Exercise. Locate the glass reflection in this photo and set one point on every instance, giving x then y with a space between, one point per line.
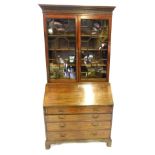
88 94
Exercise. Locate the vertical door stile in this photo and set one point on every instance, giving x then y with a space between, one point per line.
79 46
109 47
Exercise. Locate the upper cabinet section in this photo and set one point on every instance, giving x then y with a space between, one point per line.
77 42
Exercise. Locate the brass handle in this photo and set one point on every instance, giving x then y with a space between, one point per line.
95 116
95 123
94 133
62 135
61 116
61 110
62 124
96 109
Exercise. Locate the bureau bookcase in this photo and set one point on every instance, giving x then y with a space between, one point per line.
78 103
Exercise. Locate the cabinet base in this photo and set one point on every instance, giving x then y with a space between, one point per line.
49 143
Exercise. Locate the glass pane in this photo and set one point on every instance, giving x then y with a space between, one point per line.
62 48
94 49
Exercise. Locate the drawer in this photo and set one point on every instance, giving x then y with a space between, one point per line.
78 110
79 117
73 126
78 135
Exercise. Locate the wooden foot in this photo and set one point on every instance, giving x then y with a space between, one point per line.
109 143
47 145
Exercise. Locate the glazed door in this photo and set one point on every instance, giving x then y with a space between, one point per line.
61 48
94 48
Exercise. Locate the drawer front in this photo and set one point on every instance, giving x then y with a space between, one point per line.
79 117
78 135
74 126
78 110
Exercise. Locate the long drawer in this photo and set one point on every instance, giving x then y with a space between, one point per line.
79 117
73 126
78 110
78 135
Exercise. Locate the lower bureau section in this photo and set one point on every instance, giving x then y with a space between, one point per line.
78 112
78 135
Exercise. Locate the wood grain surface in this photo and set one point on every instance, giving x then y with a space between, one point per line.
78 135
74 126
79 94
79 117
